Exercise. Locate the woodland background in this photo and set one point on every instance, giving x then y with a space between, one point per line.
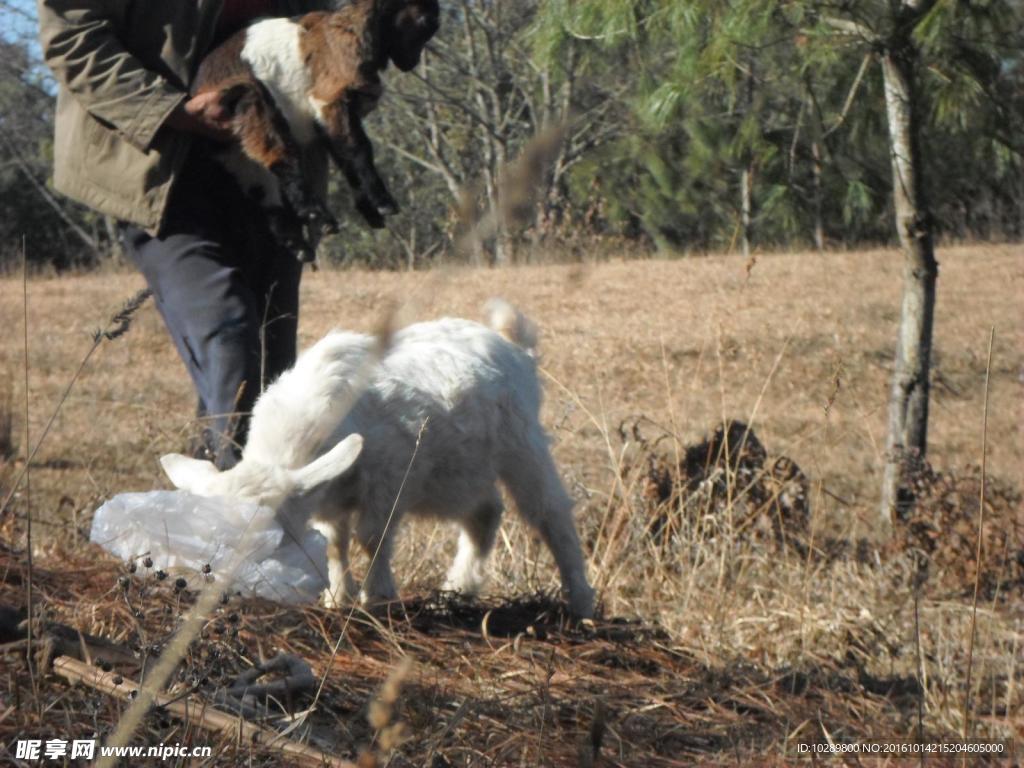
651 125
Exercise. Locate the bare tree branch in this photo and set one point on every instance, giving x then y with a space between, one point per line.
52 201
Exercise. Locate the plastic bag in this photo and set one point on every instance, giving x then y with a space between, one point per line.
181 530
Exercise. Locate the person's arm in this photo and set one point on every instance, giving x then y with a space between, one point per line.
80 45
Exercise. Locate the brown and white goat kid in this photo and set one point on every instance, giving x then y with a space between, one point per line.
289 83
451 408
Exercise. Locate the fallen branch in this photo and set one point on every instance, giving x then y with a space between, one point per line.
245 695
52 639
197 712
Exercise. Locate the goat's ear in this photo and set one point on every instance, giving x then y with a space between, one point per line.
187 473
332 464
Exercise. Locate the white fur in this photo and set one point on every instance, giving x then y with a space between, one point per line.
512 324
272 48
472 399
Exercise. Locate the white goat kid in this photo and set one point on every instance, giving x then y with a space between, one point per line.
451 408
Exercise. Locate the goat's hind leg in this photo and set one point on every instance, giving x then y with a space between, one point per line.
532 479
266 139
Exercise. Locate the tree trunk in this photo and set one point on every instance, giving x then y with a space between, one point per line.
908 404
502 247
1020 201
114 248
819 226
747 176
746 206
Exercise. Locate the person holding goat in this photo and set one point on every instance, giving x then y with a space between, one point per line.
130 143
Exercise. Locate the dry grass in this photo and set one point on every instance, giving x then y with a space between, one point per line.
758 648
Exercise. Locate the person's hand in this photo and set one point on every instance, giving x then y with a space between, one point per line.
203 115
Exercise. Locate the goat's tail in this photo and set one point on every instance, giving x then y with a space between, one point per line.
512 324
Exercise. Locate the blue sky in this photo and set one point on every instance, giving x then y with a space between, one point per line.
17 19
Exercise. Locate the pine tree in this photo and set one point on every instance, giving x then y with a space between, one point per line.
942 62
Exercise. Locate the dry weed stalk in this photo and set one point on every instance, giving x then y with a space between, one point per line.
29 602
389 732
981 529
519 184
115 328
119 324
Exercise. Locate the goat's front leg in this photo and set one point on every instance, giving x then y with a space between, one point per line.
376 539
341 584
479 529
352 151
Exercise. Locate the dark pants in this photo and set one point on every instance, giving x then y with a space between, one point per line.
228 294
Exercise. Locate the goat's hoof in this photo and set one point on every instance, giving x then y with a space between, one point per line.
388 208
303 252
581 603
384 607
381 201
370 213
321 221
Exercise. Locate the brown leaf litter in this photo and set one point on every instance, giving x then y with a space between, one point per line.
511 682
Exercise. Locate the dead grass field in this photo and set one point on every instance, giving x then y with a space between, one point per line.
798 345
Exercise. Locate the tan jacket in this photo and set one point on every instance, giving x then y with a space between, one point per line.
123 66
